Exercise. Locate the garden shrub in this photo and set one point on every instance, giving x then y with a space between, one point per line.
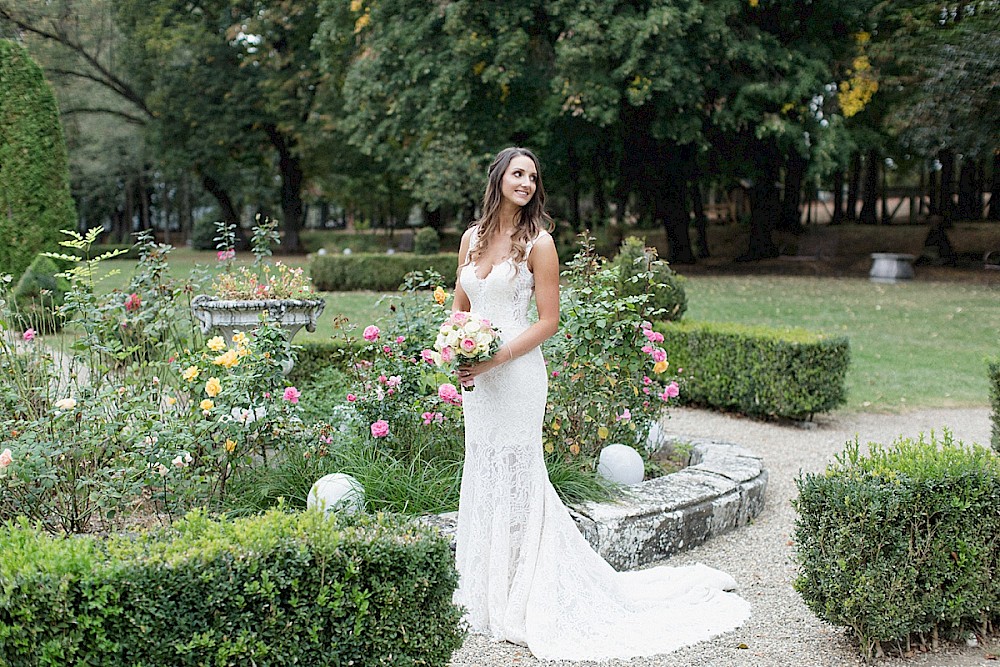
758 371
993 369
35 201
902 542
276 589
313 357
666 292
426 241
344 273
39 294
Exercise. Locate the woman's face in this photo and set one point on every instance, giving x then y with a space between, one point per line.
518 184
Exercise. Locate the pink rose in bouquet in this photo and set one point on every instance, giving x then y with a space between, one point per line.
464 338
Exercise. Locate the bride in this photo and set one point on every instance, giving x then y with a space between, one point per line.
526 574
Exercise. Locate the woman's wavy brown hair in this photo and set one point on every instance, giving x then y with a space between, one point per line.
528 222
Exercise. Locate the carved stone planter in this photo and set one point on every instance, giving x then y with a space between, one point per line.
232 315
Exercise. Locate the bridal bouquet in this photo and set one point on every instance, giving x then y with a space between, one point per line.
464 338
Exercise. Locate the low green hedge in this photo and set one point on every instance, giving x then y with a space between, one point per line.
276 589
758 371
380 273
993 368
312 357
902 544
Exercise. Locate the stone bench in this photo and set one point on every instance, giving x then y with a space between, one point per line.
722 489
891 267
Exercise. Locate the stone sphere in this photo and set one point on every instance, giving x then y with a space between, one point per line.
337 492
321 252
621 464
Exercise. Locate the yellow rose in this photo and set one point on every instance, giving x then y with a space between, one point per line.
217 344
171 400
660 366
230 445
190 373
206 405
574 449
440 296
228 359
213 387
239 338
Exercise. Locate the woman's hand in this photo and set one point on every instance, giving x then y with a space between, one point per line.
467 373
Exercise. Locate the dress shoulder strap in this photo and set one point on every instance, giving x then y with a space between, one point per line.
531 244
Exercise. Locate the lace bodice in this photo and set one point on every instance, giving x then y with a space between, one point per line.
503 295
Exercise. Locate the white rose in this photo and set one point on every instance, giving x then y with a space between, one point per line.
66 403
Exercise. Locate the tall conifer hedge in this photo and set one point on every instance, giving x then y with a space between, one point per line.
35 201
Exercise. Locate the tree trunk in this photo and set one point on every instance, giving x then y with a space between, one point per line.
853 186
765 207
700 219
226 207
573 166
967 190
994 213
869 205
791 204
838 198
947 201
433 218
669 209
600 215
290 168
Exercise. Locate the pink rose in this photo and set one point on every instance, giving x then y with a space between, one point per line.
659 354
555 374
447 354
292 395
351 398
387 350
380 429
223 255
459 317
449 394
625 416
382 379
6 458
400 339
29 335
132 302
427 355
672 390
656 337
646 380
468 344
394 381
648 349
371 333
646 325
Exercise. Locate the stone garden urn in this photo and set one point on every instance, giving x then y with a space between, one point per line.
231 315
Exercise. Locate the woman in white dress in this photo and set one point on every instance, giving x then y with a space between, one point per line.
526 574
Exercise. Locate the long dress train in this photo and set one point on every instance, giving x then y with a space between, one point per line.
526 574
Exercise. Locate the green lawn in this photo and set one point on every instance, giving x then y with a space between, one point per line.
916 344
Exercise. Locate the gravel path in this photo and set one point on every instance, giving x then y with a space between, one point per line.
781 630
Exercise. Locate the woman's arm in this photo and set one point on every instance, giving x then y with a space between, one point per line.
544 264
461 301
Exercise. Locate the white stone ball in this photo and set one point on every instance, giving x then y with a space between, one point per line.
337 492
347 251
321 252
621 464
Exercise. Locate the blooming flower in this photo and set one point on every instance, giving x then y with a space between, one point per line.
440 296
671 391
228 359
182 460
371 333
240 338
230 445
190 373
216 344
132 302
248 416
170 400
449 394
427 355
66 403
206 405
6 458
660 366
351 398
213 387
380 428
291 395
431 417
659 354
394 381
646 380
224 255
29 334
400 340
625 416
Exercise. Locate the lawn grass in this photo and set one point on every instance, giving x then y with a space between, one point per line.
913 344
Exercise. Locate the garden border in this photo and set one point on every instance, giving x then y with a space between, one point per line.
722 489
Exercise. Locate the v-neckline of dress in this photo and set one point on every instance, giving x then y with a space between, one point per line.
475 268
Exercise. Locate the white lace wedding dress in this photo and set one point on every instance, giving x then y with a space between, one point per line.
527 575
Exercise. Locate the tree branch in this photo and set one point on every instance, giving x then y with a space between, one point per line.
135 120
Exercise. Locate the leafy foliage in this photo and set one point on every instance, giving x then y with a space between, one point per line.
758 371
901 542
372 590
993 369
35 200
341 273
39 294
664 287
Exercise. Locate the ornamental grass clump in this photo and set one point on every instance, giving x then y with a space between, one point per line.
901 545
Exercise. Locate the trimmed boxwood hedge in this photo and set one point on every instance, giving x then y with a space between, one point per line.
758 371
276 589
314 356
381 273
902 544
993 368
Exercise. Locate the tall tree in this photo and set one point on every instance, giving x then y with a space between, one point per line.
35 202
